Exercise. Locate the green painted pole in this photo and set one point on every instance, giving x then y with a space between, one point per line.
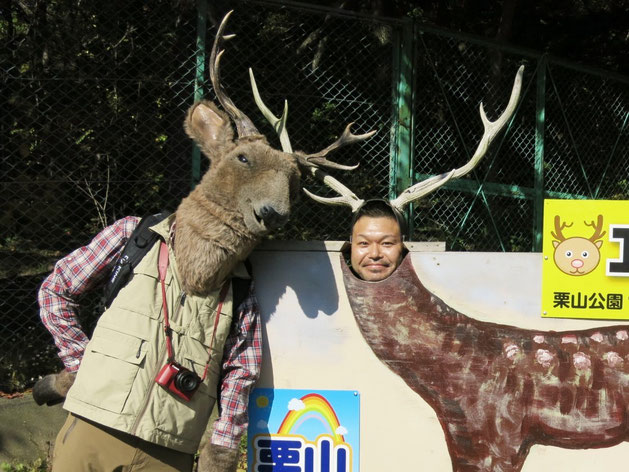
401 152
199 80
540 125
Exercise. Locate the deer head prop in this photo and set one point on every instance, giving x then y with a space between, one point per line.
245 194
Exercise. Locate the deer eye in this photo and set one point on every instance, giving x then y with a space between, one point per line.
568 253
242 158
584 254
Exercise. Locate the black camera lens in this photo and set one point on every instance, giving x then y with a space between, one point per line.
187 381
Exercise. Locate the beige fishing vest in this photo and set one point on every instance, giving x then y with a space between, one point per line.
115 385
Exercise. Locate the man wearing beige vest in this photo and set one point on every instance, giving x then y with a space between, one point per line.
148 383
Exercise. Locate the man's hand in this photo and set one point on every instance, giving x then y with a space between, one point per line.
53 388
213 458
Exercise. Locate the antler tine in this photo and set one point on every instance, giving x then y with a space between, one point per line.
559 227
244 125
279 124
347 197
598 228
346 138
492 128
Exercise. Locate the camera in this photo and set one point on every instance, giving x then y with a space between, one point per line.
178 380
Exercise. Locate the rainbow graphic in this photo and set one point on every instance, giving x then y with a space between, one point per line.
306 430
312 406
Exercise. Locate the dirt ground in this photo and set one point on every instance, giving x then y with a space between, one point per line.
27 431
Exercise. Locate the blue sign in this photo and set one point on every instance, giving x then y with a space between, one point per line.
303 430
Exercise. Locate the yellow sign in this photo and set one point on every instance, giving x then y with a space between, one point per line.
586 259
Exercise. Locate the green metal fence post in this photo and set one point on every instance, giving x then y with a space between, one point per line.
198 81
401 153
540 118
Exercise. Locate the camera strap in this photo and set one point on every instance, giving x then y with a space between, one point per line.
162 266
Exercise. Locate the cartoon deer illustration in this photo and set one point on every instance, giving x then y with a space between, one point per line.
577 255
247 191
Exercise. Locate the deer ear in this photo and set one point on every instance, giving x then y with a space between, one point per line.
209 127
555 244
598 244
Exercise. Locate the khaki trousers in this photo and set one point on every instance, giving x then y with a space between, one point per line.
84 446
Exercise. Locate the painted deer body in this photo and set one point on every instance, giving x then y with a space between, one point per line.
496 389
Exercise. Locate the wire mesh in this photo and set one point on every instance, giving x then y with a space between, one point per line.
95 95
584 119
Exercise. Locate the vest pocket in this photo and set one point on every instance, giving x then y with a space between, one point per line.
187 420
108 369
196 355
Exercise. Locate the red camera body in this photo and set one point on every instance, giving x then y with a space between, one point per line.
178 380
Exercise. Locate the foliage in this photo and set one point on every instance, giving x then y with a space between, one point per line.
242 461
39 465
592 32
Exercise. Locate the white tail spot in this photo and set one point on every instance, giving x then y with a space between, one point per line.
598 337
613 359
581 360
569 339
544 357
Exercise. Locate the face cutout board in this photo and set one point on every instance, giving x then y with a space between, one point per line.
312 342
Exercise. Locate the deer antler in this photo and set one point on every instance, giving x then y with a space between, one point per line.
279 124
491 130
244 125
597 228
346 138
313 161
558 234
346 198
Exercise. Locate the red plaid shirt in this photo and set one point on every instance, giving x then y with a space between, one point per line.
88 267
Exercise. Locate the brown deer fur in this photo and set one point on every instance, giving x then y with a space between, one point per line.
221 221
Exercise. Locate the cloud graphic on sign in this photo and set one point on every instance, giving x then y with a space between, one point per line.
342 430
262 424
295 405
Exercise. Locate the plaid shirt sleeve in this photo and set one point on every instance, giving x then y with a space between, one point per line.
75 274
241 368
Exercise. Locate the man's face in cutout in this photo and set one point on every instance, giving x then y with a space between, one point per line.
376 247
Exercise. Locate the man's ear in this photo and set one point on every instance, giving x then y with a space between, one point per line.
210 128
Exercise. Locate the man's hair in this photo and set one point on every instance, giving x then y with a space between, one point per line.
378 208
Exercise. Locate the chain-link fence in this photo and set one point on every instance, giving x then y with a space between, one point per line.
94 95
566 140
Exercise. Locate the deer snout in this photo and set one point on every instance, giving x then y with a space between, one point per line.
577 263
272 219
